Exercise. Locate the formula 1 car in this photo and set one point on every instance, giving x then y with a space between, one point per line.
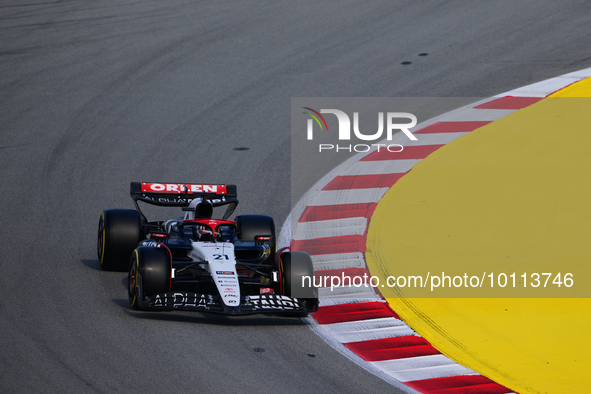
200 263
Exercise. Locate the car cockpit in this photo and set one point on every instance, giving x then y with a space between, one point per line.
197 224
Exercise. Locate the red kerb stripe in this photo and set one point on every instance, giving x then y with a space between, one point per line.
465 384
451 127
363 181
392 348
492 388
330 245
409 152
342 211
509 102
353 312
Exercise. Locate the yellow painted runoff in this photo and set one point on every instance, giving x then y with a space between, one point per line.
512 196
578 89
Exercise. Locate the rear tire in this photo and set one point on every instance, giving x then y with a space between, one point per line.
151 266
249 226
293 267
119 233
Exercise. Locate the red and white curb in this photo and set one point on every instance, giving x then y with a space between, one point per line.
332 222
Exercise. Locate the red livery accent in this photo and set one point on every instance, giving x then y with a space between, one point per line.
266 290
209 222
213 224
263 238
176 188
158 235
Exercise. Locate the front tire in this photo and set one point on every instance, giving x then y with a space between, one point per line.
149 270
119 233
297 278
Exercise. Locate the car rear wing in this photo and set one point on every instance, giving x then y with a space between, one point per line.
181 195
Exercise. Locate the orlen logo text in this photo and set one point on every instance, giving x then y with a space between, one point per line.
345 130
181 188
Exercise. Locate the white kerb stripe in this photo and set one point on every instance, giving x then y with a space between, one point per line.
366 330
337 197
339 260
579 74
345 300
381 167
357 336
330 228
543 88
426 139
472 114
432 372
347 292
412 363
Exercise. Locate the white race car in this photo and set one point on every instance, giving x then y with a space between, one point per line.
201 263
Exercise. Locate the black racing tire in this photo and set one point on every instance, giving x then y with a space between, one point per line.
132 282
293 267
151 266
119 233
249 226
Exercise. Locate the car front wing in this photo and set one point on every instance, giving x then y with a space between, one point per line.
250 304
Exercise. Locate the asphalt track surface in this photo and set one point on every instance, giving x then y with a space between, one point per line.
95 94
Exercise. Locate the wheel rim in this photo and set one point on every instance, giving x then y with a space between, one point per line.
132 283
132 280
100 241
